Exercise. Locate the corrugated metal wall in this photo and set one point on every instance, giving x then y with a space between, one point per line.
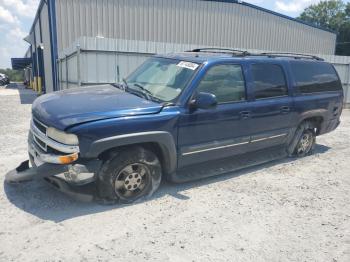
96 61
213 23
40 36
44 16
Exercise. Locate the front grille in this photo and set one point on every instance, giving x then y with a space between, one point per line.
42 129
48 145
53 151
40 143
40 126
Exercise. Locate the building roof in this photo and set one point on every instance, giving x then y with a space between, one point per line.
223 1
20 63
273 13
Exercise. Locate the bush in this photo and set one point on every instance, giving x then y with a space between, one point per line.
14 75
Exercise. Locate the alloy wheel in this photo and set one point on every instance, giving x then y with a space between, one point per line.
131 180
305 143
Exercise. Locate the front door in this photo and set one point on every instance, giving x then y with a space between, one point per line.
207 134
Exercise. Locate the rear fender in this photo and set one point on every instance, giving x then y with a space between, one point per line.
313 113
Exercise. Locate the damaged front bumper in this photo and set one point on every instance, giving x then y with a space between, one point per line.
74 174
50 158
25 173
57 163
73 180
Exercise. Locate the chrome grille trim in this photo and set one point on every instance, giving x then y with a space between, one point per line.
39 125
38 142
37 134
37 153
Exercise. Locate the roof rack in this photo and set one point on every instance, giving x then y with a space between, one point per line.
237 52
221 50
293 55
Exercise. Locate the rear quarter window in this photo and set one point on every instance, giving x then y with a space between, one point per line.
312 77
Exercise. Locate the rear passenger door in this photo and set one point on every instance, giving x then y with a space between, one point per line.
271 105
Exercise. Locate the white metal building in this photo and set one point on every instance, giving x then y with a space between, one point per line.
82 42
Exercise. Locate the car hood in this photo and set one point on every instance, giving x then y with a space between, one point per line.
75 106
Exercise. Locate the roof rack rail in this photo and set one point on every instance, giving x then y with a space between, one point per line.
221 50
295 55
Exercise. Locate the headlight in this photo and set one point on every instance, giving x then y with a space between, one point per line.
62 137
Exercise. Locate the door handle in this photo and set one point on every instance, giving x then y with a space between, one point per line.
285 109
245 114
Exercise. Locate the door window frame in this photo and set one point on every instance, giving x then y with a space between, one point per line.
219 64
285 75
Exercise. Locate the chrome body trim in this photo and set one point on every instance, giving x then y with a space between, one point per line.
233 145
42 157
34 118
37 134
269 137
213 148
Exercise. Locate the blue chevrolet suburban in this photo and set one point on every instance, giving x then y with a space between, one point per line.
181 117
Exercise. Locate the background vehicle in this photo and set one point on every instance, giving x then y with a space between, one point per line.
181 117
4 79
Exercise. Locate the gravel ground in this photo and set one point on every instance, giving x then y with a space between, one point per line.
289 210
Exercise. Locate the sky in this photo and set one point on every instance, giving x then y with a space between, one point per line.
16 18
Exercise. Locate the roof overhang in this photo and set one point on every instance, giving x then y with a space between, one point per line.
29 39
20 63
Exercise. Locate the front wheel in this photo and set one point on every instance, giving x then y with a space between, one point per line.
128 175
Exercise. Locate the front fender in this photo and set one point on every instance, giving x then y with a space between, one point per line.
164 139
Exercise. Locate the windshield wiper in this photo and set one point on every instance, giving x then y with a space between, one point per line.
123 86
142 94
117 85
126 86
149 95
144 90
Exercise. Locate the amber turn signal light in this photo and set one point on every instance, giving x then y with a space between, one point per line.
68 158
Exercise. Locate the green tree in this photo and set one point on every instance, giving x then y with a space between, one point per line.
333 15
14 75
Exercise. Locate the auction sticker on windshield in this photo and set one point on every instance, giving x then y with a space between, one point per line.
188 65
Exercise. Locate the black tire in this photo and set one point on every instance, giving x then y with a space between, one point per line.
128 175
304 140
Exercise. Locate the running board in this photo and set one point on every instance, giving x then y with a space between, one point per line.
227 165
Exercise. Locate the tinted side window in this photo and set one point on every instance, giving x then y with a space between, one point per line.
226 82
269 81
313 77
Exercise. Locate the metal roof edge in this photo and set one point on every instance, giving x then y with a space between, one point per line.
273 13
38 11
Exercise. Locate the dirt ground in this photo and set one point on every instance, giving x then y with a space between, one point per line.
288 210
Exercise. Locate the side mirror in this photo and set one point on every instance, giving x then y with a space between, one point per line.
204 101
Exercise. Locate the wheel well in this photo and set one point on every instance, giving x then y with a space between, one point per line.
316 122
151 146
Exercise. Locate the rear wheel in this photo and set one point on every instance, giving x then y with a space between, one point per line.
305 140
129 175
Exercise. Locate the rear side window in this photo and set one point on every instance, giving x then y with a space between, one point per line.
269 81
311 77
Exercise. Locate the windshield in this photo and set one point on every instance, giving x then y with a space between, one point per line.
162 78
